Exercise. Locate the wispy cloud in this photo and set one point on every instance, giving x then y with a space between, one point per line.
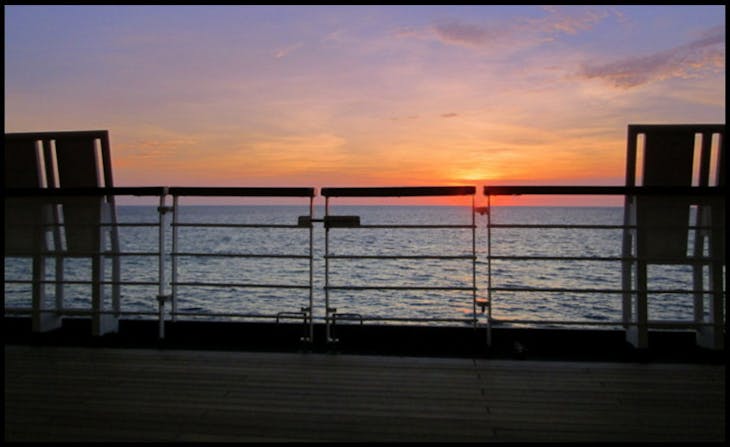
283 52
461 33
570 21
520 30
706 53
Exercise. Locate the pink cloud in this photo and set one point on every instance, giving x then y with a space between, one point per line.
535 30
704 54
455 32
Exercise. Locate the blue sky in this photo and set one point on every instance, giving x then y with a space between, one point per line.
363 95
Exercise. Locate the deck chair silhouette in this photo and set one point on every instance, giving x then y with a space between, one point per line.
29 223
87 222
659 230
83 160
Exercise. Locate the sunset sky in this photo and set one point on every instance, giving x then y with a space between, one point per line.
328 96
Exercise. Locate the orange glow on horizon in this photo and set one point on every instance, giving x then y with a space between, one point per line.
326 160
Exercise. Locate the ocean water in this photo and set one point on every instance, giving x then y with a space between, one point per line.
416 289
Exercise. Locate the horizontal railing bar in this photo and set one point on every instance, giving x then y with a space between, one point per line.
471 257
262 286
229 314
398 288
557 258
86 225
559 226
566 290
561 322
124 224
676 324
606 190
656 324
18 310
687 261
80 282
219 225
405 191
82 254
238 255
414 319
608 227
67 311
405 226
401 226
494 289
242 191
368 192
99 133
103 312
80 192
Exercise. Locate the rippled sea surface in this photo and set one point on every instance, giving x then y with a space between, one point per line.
432 282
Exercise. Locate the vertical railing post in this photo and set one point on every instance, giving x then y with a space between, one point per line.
474 260
311 270
641 338
628 275
39 292
327 273
161 296
100 323
58 258
489 270
173 259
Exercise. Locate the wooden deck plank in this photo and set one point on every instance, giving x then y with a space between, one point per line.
107 394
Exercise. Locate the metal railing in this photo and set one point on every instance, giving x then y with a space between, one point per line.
628 289
629 320
335 222
303 222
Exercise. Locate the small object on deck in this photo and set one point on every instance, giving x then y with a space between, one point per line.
341 221
483 303
519 350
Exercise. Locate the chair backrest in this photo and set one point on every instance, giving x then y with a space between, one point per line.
672 155
83 160
75 159
24 216
23 166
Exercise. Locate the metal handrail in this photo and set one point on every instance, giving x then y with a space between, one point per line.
51 195
701 194
176 253
698 191
403 191
352 222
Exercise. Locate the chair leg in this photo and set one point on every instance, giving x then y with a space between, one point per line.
712 337
638 333
627 297
101 323
716 279
116 287
42 320
116 272
59 283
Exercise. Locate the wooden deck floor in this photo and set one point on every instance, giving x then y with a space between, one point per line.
113 394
